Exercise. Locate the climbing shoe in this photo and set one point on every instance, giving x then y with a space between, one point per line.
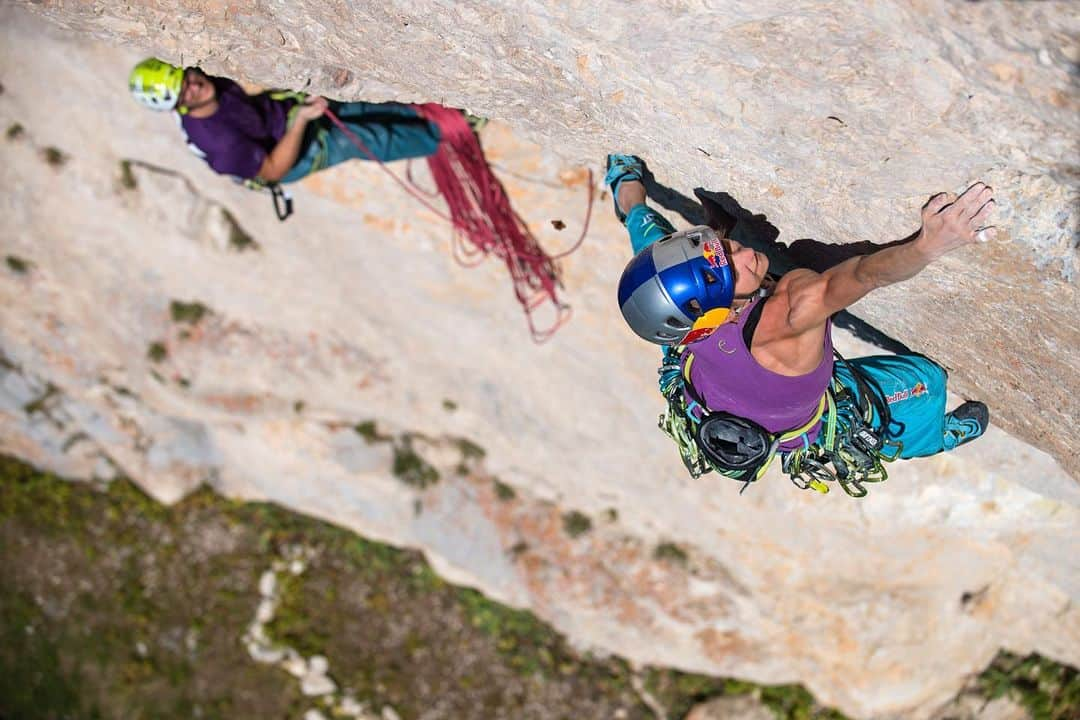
619 168
965 423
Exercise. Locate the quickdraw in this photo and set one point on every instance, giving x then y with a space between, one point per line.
282 198
850 450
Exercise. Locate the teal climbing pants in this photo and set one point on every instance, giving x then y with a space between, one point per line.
391 131
646 226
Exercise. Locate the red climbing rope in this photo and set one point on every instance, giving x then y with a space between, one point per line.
480 212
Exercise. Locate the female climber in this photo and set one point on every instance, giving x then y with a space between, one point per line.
749 358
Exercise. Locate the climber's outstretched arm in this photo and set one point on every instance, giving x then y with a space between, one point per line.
948 222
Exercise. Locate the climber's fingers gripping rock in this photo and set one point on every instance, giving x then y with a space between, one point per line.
950 222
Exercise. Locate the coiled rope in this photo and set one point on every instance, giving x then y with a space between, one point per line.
480 212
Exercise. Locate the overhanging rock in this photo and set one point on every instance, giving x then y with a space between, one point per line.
835 120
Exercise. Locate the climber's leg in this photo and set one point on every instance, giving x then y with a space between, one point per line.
645 225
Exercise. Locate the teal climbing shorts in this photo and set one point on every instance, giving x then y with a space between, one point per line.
913 388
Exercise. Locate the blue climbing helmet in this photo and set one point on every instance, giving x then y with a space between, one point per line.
679 289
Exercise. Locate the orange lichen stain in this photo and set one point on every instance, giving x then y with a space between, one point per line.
983 606
775 191
844 642
384 224
990 507
721 645
617 97
574 177
335 186
1057 98
583 69
1006 73
235 403
515 192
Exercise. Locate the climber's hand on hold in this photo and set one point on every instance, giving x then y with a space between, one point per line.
284 154
950 222
312 108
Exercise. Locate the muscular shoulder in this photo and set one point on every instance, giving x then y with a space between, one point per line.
792 290
801 296
779 343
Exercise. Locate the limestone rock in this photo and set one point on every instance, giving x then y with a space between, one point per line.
835 119
739 707
317 684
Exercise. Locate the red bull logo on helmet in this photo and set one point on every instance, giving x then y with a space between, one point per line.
713 252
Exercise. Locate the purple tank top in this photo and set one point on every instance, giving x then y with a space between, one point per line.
237 138
728 378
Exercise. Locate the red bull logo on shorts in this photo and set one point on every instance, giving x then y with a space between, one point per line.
900 395
713 252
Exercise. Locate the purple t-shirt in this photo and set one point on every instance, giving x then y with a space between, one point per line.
728 378
236 139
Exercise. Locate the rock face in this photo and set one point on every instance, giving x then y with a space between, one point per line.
156 320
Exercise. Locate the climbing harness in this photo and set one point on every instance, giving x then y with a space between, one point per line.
850 449
479 210
854 440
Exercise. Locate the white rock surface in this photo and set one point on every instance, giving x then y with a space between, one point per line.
354 310
314 684
740 707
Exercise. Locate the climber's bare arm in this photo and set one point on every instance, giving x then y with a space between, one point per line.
948 222
283 156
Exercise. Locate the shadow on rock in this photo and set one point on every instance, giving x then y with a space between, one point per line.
723 213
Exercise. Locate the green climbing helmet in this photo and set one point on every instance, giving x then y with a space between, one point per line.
156 84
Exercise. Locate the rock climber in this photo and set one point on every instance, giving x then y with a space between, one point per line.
271 138
747 345
276 137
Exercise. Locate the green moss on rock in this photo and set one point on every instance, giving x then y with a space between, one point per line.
576 524
189 313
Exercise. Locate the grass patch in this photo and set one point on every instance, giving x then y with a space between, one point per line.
576 524
529 645
127 176
469 449
157 352
41 402
410 468
139 577
370 432
54 156
189 313
408 465
291 624
15 131
1047 690
17 265
239 239
503 492
671 553
449 405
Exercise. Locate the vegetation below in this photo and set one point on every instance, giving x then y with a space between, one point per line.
114 606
